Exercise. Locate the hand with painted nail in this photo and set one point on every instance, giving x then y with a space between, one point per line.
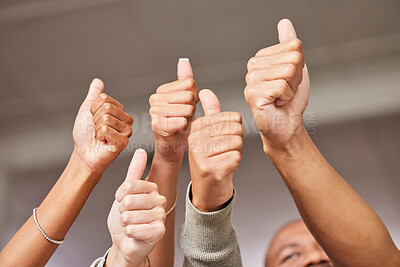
102 129
172 110
215 144
136 220
278 87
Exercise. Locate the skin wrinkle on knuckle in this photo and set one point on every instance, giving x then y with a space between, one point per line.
234 142
106 118
296 44
234 117
239 141
164 202
117 194
153 99
92 108
107 107
191 109
129 119
298 58
129 186
251 63
249 92
126 203
104 96
129 231
163 216
129 131
183 122
154 187
288 72
103 129
276 92
190 83
239 129
160 201
154 111
261 51
237 157
187 97
250 77
280 84
204 169
160 88
125 218
121 222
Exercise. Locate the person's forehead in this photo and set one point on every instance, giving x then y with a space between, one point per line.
295 234
292 235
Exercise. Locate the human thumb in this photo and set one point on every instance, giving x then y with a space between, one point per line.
286 31
95 89
137 166
209 102
184 69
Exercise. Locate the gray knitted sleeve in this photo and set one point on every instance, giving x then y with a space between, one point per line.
208 238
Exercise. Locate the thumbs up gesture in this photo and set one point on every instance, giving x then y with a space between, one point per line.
172 110
278 88
136 219
102 129
215 144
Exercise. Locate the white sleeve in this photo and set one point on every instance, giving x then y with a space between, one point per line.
100 261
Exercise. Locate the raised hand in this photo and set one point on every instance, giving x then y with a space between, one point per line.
215 144
172 110
136 219
278 87
102 129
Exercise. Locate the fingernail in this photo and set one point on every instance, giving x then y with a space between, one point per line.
140 150
184 59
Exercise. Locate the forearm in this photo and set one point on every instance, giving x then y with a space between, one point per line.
165 173
347 228
55 215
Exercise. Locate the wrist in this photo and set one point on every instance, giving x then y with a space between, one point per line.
77 165
165 173
115 258
296 142
295 154
169 151
168 156
164 170
211 196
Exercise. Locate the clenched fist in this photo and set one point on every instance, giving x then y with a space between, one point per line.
102 129
215 144
136 219
278 88
172 110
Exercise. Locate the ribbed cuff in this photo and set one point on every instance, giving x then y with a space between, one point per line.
208 236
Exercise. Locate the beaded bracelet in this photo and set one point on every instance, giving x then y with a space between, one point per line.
58 242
